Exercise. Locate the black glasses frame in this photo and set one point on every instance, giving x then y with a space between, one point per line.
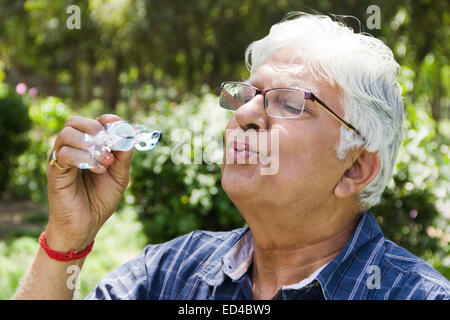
308 96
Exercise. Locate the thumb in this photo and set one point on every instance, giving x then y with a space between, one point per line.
120 168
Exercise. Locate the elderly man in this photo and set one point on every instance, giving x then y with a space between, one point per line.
331 99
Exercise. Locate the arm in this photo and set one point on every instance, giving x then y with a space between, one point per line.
48 278
80 202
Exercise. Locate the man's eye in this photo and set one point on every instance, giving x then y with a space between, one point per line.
292 110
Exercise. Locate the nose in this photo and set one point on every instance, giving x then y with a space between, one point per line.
252 115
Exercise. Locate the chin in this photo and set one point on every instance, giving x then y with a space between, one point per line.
241 180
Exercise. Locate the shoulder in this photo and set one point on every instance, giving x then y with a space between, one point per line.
411 277
195 244
173 265
162 269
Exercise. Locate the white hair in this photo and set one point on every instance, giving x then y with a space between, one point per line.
366 72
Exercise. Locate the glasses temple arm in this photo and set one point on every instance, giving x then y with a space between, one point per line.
312 97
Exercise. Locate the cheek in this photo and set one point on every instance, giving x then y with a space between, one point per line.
307 155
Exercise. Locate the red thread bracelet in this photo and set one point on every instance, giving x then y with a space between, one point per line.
63 256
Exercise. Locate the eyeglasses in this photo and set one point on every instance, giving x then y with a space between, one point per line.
287 103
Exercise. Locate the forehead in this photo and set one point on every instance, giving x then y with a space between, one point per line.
289 68
286 67
268 76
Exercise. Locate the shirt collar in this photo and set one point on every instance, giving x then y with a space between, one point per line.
234 256
214 269
237 261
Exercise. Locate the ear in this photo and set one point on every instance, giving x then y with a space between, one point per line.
360 173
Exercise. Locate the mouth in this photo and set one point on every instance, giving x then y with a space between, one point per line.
241 147
249 147
242 153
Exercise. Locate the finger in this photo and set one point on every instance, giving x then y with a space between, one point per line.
76 139
68 157
107 118
71 137
86 125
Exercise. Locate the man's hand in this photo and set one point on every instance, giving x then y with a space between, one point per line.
80 202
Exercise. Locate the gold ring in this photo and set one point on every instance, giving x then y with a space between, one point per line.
52 161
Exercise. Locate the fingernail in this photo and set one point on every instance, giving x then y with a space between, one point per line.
85 165
107 155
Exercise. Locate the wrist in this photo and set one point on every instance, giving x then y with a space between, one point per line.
64 242
64 256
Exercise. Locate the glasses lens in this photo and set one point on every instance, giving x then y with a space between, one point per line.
233 95
285 103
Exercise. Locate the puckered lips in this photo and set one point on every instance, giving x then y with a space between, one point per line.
239 152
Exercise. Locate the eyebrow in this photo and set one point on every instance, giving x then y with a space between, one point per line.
255 80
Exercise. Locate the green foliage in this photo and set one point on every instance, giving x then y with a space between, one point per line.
15 257
14 123
47 119
182 44
172 198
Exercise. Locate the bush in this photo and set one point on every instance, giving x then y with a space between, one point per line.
14 123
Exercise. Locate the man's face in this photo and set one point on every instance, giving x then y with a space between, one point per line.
308 167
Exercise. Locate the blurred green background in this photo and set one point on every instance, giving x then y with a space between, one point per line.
159 63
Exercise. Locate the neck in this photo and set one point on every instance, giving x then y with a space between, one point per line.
292 257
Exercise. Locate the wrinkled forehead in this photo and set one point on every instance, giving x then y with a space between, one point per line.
286 67
289 67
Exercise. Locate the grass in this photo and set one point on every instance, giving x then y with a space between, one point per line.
120 240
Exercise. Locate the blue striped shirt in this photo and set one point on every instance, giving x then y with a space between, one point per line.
217 265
